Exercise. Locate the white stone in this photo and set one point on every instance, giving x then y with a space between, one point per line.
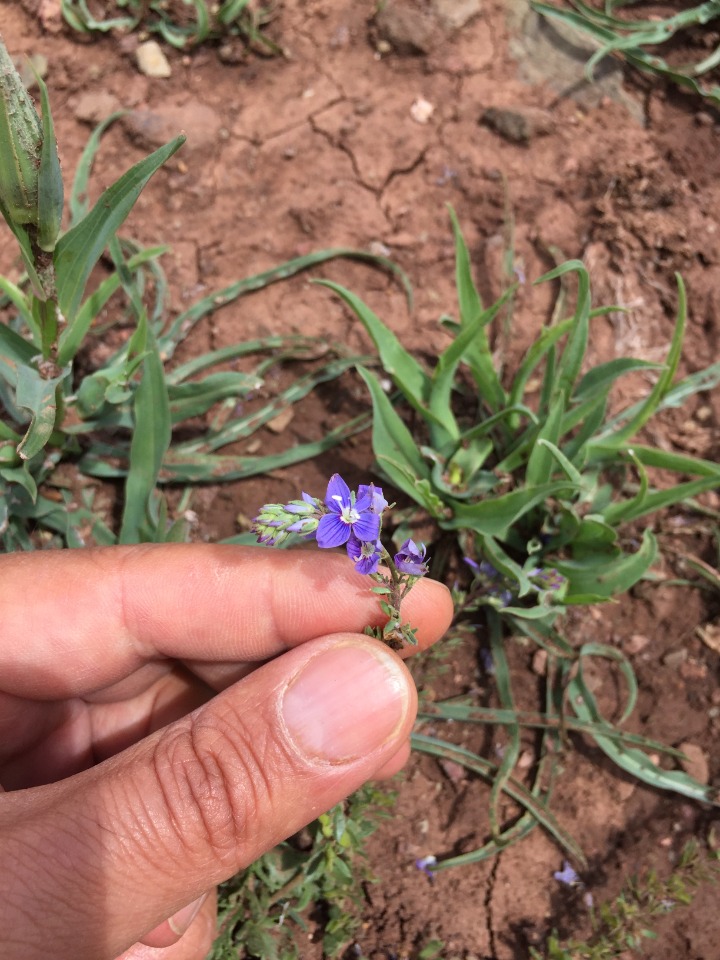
152 61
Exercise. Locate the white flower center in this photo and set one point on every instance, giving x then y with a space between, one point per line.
349 515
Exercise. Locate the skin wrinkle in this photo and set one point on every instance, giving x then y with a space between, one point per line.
195 787
55 844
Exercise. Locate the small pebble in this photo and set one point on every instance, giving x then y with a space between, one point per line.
151 60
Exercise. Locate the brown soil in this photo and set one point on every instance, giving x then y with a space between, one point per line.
321 149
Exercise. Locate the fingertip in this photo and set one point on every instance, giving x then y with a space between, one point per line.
395 764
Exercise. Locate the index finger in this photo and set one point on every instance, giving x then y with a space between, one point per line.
79 620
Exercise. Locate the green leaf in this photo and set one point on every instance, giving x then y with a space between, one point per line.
391 438
477 355
520 794
601 577
630 759
37 395
574 352
80 248
656 500
617 656
79 203
73 335
193 399
546 340
15 353
571 472
604 375
150 441
22 304
199 466
405 371
50 182
493 517
664 381
22 477
541 462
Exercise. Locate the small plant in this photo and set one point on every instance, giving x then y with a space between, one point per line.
353 520
637 41
625 924
542 487
191 22
265 907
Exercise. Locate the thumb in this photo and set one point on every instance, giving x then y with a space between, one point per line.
91 864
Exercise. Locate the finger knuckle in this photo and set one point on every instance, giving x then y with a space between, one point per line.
216 782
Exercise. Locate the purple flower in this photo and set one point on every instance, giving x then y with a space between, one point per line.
365 556
567 875
483 568
411 559
425 865
376 495
347 515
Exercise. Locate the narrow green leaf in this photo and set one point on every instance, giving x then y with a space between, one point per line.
630 759
655 500
79 202
193 399
391 438
574 352
600 378
191 466
547 339
541 461
616 656
570 471
493 517
516 791
22 305
150 441
73 335
405 371
79 249
184 322
512 748
664 381
478 356
50 181
652 457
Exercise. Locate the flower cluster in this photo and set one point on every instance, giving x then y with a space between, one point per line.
498 591
353 520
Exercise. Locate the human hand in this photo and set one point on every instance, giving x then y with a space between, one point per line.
167 714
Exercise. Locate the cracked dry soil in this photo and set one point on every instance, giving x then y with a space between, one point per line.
336 146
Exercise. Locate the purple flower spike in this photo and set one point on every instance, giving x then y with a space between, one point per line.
411 559
365 556
347 516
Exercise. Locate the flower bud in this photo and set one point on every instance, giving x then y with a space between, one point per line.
21 140
31 187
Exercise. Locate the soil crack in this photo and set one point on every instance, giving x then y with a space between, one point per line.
489 912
